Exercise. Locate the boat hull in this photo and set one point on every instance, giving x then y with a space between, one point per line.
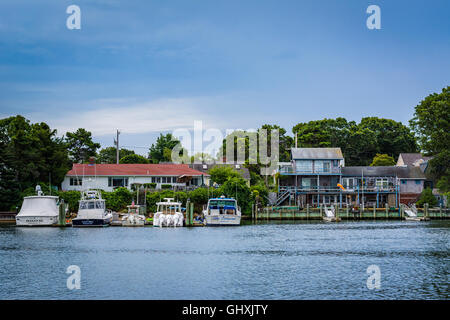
36 221
91 222
222 220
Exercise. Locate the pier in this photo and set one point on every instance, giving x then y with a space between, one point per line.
346 213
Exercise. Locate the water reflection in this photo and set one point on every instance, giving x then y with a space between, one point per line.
296 260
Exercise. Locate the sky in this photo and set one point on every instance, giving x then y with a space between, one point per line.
146 67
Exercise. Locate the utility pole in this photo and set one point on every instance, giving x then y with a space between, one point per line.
116 143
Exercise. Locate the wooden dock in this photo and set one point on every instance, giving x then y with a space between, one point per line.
310 213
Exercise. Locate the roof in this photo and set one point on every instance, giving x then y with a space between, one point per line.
133 170
385 171
412 159
317 153
203 167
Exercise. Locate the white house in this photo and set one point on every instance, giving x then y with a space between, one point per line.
110 176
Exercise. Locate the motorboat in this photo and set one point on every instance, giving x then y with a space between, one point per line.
92 211
222 212
39 210
133 218
168 214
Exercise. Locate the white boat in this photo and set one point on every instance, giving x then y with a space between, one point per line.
168 214
92 211
133 218
222 212
39 210
330 215
411 214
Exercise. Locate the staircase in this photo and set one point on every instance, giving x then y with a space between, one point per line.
283 195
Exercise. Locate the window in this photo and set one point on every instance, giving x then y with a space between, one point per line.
174 179
417 181
382 183
117 182
306 183
158 179
403 181
76 181
164 179
349 183
321 166
304 165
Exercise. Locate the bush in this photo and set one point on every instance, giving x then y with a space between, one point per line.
237 188
134 158
119 199
151 185
72 198
427 197
221 174
166 186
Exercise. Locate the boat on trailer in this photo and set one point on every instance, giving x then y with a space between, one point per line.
92 211
38 210
168 214
222 212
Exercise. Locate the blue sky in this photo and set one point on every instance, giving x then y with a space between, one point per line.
151 66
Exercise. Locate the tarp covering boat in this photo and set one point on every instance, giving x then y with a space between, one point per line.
39 206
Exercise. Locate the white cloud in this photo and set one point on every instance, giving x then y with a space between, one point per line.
130 116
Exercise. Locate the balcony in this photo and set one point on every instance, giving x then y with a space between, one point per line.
289 170
389 189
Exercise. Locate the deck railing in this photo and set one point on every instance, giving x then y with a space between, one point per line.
335 189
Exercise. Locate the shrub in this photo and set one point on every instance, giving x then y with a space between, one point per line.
71 197
166 186
119 199
427 197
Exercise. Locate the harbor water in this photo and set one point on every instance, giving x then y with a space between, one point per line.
268 260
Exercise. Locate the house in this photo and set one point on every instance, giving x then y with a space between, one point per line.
110 176
412 186
317 176
239 168
312 176
412 159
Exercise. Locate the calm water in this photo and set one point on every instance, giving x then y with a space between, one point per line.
265 261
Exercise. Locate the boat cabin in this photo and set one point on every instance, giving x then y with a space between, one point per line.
222 205
168 206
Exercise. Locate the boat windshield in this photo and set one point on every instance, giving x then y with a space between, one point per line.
168 209
92 205
219 204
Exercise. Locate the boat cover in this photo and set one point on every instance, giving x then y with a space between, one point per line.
41 206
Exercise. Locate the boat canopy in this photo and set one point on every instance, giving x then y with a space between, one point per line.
41 206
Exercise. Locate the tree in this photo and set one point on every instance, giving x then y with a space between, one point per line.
29 153
80 145
108 155
359 142
431 123
382 160
391 137
427 197
134 158
237 188
161 150
220 174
